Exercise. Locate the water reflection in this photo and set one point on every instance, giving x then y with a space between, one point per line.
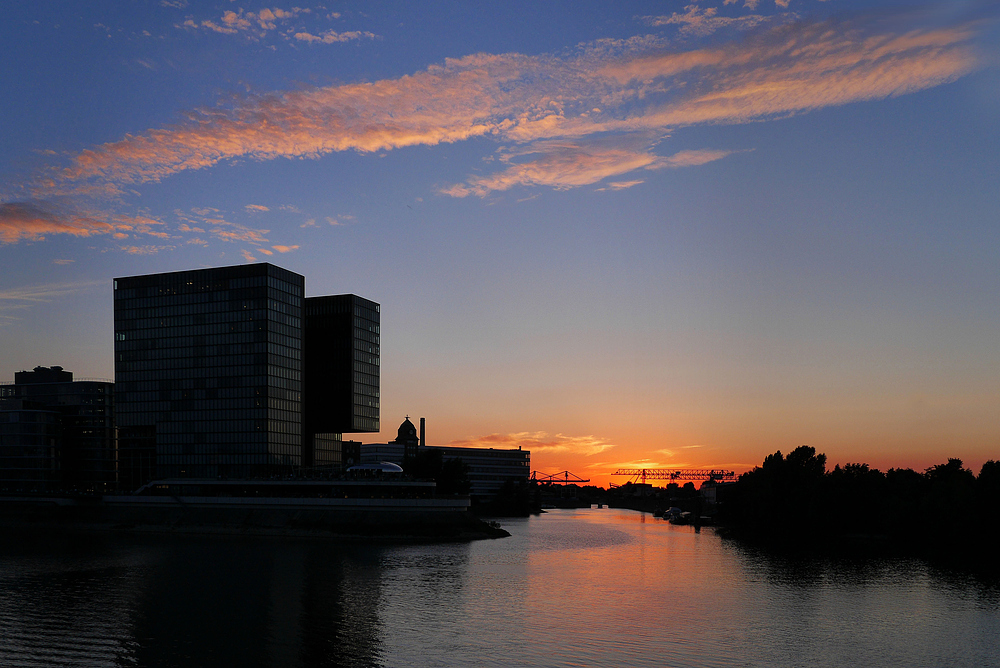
586 587
189 602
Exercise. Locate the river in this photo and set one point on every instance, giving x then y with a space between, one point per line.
592 587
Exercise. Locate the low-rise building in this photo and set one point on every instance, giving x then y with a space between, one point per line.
488 468
57 433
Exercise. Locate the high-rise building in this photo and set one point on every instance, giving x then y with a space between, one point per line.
341 370
208 368
214 369
57 433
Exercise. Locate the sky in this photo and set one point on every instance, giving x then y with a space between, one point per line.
630 234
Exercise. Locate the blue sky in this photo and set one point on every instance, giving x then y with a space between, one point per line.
661 233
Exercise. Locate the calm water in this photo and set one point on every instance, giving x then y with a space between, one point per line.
570 588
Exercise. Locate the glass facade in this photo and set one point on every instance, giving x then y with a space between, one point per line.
208 371
341 348
57 433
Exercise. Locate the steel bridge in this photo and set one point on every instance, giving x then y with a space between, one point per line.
561 478
643 475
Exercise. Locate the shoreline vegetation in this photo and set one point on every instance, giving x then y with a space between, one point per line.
945 513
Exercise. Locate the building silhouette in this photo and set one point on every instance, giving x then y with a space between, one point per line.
57 434
341 379
488 468
211 371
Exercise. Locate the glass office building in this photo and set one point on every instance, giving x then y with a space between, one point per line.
208 371
341 352
57 433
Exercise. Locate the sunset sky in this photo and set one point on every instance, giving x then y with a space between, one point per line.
661 234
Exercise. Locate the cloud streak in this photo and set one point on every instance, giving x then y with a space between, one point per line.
520 99
25 297
333 37
539 441
33 220
567 121
567 164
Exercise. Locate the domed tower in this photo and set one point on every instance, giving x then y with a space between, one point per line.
407 433
406 436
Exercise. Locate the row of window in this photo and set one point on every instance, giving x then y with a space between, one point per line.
285 286
365 411
188 365
203 465
215 314
366 326
284 383
169 420
221 361
365 390
366 368
277 303
292 341
212 377
190 304
365 335
369 311
168 332
136 401
152 340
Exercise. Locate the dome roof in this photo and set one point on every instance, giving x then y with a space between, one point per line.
407 433
384 467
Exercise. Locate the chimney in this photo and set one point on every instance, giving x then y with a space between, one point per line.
423 441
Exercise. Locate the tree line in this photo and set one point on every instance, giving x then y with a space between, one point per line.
794 498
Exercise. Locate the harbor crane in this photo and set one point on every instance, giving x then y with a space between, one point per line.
676 474
561 478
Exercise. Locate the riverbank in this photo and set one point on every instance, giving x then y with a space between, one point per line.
425 519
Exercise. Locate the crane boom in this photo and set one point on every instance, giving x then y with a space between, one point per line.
677 474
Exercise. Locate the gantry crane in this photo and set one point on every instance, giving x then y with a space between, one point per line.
676 474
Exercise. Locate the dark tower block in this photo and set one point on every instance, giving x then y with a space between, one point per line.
208 370
341 369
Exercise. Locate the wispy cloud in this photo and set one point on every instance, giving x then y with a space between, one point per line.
21 298
256 208
601 112
252 25
539 441
521 99
569 164
333 37
622 185
701 22
33 220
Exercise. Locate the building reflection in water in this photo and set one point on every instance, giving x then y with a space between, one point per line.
175 602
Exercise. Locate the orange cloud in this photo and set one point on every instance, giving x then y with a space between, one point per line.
252 25
33 220
701 22
607 87
539 441
283 249
332 37
563 164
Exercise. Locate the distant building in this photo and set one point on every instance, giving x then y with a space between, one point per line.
57 433
211 375
489 468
